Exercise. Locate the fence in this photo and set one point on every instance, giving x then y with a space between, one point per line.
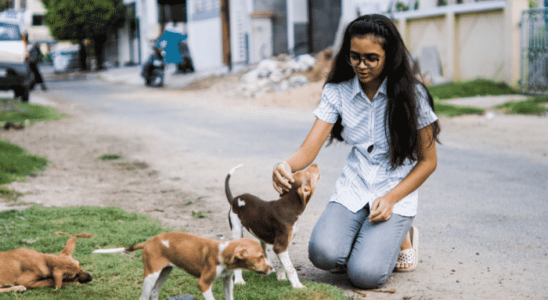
534 51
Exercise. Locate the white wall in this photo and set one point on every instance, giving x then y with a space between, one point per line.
205 37
205 43
300 11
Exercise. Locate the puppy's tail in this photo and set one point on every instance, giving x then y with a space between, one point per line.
227 187
117 250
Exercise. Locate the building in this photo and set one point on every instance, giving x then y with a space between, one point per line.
231 33
34 20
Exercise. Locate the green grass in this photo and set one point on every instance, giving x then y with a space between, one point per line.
534 106
110 157
119 276
17 112
16 163
478 87
9 195
451 110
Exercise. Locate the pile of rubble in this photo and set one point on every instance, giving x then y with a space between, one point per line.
283 73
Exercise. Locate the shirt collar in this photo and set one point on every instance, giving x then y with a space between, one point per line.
356 88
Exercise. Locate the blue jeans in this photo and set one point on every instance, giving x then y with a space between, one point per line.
370 250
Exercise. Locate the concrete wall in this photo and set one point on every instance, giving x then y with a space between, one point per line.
474 40
205 38
279 22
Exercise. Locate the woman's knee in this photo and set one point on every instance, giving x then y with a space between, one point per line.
368 276
322 254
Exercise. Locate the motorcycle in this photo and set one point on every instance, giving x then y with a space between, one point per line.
154 69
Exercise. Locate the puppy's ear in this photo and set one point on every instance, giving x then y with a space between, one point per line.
304 193
69 247
240 253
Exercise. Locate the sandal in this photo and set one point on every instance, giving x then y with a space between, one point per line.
410 256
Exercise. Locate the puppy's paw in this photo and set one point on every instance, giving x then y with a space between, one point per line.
239 281
280 275
21 289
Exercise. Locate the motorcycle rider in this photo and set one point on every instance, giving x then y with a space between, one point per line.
154 67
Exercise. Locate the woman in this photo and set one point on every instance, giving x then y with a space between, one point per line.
373 102
34 56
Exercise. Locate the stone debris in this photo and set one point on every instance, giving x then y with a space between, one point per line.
272 75
283 73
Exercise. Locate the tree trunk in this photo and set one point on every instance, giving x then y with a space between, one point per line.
83 56
99 45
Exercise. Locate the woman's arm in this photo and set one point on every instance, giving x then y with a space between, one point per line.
303 157
428 161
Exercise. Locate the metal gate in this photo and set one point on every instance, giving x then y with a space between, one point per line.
534 51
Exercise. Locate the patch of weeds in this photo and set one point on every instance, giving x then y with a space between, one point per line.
533 106
110 157
200 214
189 202
18 112
16 163
473 88
132 166
9 195
451 110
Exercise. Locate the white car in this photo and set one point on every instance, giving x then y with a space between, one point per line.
15 73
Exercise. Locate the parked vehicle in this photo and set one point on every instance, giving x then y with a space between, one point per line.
154 68
15 73
66 58
185 66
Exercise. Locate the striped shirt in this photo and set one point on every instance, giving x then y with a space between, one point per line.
366 175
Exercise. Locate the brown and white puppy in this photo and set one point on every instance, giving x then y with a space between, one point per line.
201 257
23 269
273 222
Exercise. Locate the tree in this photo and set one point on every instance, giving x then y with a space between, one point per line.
3 5
81 20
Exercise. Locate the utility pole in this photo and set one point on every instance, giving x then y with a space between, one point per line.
225 23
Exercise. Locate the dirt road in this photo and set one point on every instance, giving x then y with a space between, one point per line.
172 185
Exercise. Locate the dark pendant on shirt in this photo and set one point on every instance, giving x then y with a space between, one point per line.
370 149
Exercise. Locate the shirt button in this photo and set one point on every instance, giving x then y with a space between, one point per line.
370 149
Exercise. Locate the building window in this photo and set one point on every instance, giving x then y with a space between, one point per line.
22 4
11 4
38 20
206 6
172 13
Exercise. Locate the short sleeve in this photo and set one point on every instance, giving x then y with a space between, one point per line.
426 115
327 110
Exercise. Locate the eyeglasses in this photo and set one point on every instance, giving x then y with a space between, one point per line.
369 61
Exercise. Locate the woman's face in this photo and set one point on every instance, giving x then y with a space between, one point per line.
367 58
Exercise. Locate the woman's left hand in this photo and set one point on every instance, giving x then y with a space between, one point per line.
381 210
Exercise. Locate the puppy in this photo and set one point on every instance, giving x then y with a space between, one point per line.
201 257
23 269
273 222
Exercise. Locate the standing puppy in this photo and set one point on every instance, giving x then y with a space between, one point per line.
22 269
201 257
273 222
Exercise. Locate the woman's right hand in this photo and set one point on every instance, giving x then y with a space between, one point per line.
281 177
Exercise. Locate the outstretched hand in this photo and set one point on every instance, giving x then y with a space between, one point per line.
281 177
380 211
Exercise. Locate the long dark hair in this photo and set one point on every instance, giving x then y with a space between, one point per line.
401 115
